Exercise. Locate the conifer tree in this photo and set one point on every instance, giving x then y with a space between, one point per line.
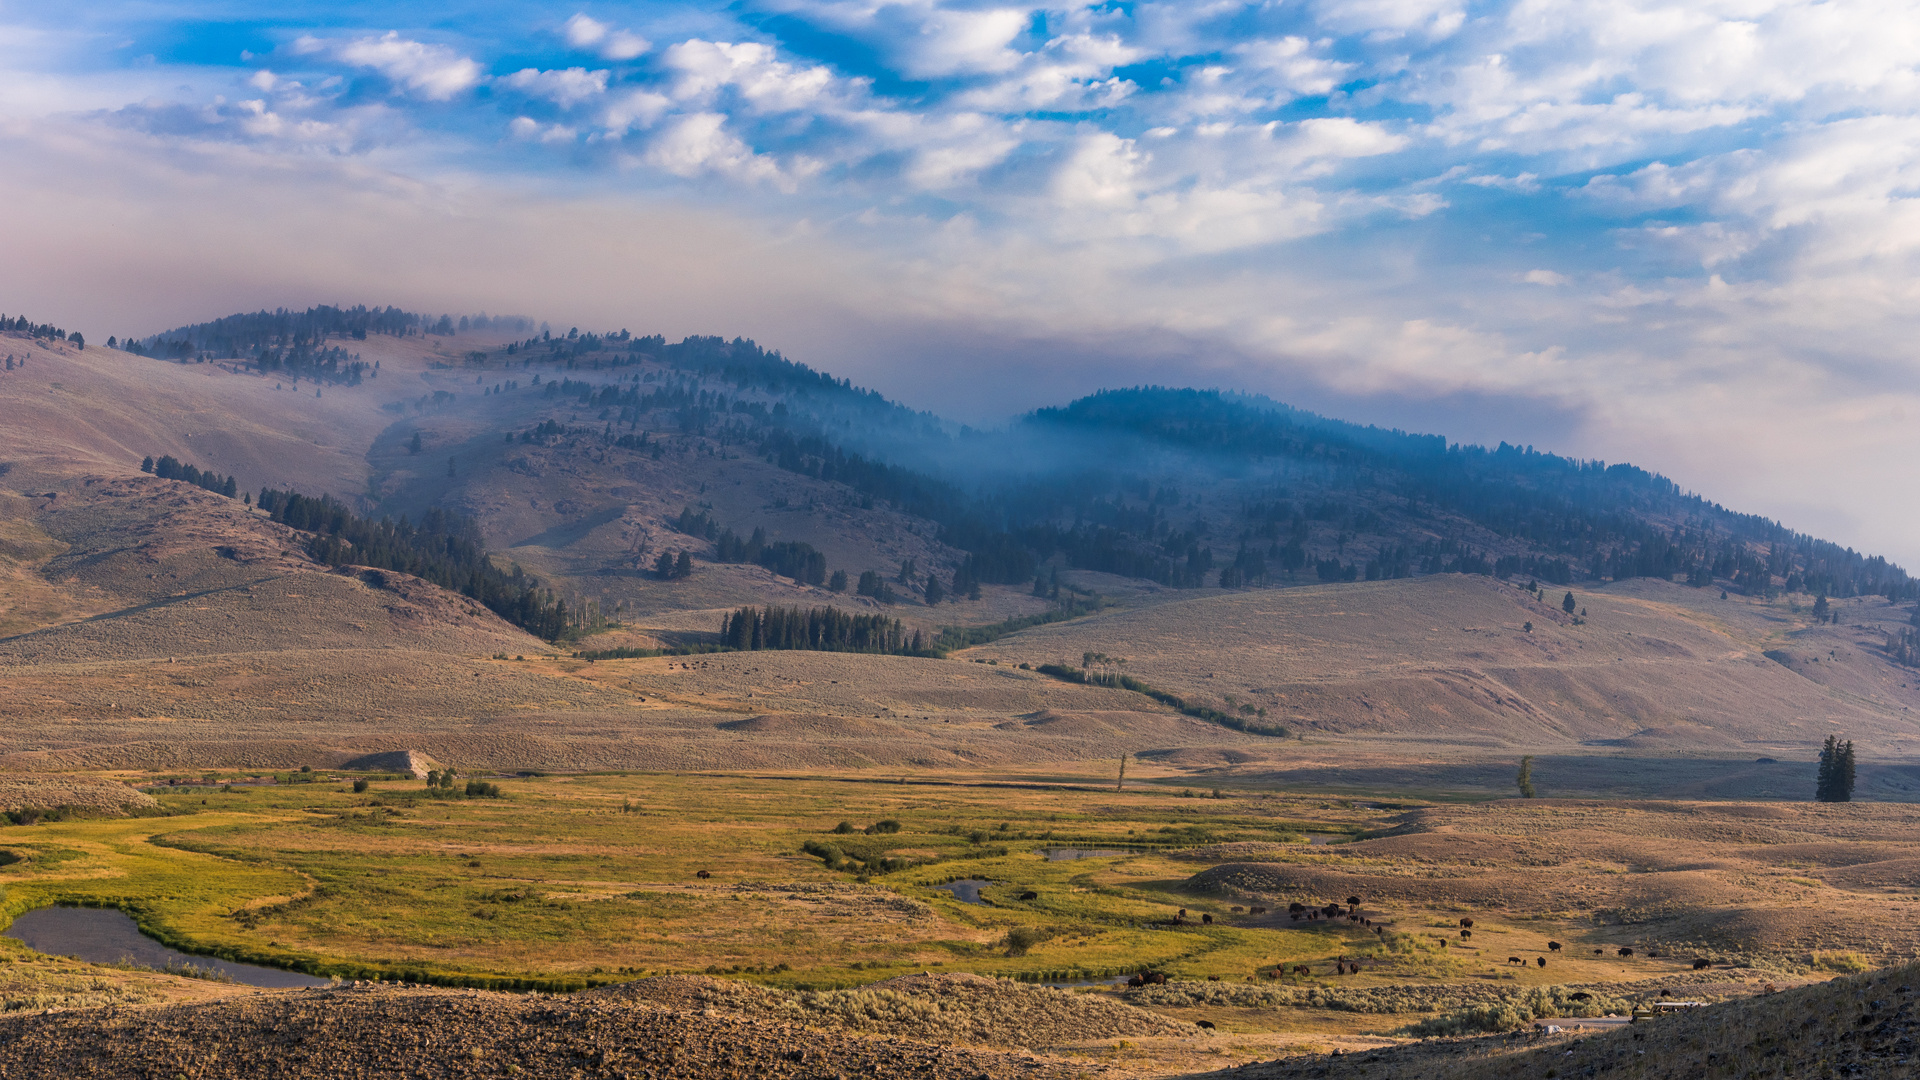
1834 783
1568 605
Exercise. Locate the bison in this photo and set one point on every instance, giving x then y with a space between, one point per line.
1296 906
1029 895
1466 934
1206 918
1256 911
1579 995
1703 962
1541 960
1515 960
1302 969
1625 952
1207 1024
1468 923
1553 946
1295 916
1236 909
704 875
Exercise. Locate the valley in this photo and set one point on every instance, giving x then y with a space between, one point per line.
1240 682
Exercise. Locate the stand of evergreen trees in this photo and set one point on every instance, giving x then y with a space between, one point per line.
170 468
822 629
20 324
1835 780
444 548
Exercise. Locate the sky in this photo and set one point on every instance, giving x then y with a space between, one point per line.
1679 234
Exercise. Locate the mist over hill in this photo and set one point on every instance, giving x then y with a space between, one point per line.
1185 488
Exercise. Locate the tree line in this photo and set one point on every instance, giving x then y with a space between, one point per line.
821 629
20 324
169 467
444 548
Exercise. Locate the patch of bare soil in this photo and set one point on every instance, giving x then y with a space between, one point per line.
408 1034
17 791
949 1007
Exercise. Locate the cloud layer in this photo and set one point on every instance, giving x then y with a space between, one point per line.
1684 234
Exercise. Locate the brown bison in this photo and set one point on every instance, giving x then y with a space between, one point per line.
1206 918
1029 895
1208 1024
1623 952
1515 960
1703 962
704 875
1466 934
1553 946
1236 909
1541 960
1468 923
1302 969
1256 911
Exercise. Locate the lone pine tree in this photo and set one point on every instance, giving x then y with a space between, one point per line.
1835 780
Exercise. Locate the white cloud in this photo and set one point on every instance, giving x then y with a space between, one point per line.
1544 277
763 82
566 89
583 32
434 72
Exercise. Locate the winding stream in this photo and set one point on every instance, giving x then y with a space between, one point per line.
109 936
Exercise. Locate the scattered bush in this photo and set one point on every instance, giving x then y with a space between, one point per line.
1849 963
360 786
1021 939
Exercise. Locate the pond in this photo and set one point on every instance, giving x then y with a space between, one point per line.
966 890
1062 854
109 936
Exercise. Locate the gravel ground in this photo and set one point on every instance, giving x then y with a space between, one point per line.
406 1034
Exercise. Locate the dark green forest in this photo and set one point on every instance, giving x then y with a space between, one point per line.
444 549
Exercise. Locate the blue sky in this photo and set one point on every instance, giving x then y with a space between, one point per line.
1679 234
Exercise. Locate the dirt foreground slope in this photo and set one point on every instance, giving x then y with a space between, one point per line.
384 1032
1865 1026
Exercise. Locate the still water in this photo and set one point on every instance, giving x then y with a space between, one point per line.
108 936
966 890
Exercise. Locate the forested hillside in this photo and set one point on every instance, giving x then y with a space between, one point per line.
1185 488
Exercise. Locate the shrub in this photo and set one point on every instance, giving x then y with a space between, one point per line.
844 828
478 789
887 826
1851 963
1020 939
360 786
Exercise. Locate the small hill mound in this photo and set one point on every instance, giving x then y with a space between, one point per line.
811 726
411 762
949 1007
18 792
408 1034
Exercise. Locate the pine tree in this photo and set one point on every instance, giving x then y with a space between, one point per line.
1820 608
1834 782
838 582
935 593
147 465
1568 605
683 566
1525 777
